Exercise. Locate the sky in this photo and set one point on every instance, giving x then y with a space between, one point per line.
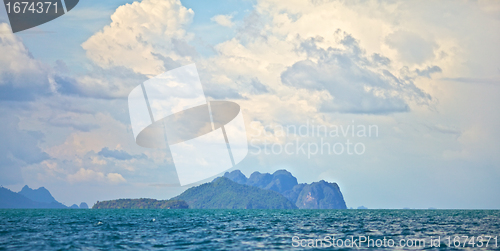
423 75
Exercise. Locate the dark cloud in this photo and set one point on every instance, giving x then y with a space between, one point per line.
258 87
428 71
119 154
252 27
67 85
182 48
355 81
18 148
168 62
11 92
220 92
71 122
115 82
251 85
380 60
60 66
24 85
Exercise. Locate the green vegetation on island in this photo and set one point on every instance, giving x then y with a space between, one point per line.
222 193
317 195
141 204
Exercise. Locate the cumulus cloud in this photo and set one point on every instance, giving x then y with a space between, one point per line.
147 37
107 148
144 39
224 20
21 76
355 72
115 178
88 175
356 84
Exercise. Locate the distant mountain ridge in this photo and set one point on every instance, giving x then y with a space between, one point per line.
234 190
10 199
39 195
30 198
317 195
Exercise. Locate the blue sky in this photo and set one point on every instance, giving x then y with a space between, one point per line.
426 74
61 38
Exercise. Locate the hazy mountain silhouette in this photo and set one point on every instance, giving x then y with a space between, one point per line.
39 195
9 199
31 198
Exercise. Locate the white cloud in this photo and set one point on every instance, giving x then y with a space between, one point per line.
98 161
16 59
347 76
357 83
224 20
88 175
411 47
21 76
147 37
115 178
85 175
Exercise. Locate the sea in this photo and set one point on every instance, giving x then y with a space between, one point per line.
193 229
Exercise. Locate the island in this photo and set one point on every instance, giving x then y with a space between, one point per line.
223 193
279 190
317 195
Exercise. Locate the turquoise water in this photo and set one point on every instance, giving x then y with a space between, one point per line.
50 229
